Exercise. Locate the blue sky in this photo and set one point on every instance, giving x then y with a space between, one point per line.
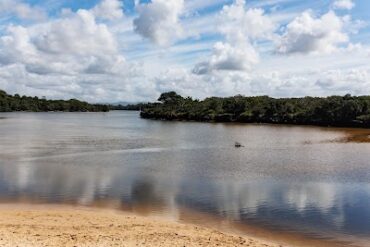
113 50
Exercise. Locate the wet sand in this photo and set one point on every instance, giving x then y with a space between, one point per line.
26 225
356 136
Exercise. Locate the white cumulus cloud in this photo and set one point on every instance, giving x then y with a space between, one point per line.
308 34
238 22
74 55
72 44
227 57
343 4
22 10
159 22
241 27
109 9
356 81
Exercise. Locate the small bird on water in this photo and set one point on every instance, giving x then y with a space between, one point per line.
238 145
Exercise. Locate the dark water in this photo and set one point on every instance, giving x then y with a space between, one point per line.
295 179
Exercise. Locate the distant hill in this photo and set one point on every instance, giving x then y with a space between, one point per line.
129 107
10 103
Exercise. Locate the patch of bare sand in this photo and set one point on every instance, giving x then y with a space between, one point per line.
27 226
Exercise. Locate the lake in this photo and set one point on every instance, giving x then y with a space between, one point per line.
310 181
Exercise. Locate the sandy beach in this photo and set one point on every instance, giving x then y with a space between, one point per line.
26 226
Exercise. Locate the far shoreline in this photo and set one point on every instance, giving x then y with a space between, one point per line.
255 123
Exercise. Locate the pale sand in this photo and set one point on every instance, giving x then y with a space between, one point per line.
68 226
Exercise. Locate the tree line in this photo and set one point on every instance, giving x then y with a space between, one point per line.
345 110
10 103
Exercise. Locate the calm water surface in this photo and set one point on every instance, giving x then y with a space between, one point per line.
295 179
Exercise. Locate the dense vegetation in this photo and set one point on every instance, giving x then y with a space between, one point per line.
9 103
330 111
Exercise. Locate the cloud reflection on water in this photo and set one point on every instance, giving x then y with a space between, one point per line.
305 206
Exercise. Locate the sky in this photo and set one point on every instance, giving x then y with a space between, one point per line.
110 51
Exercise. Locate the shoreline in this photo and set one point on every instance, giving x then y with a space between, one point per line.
33 224
287 124
63 225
